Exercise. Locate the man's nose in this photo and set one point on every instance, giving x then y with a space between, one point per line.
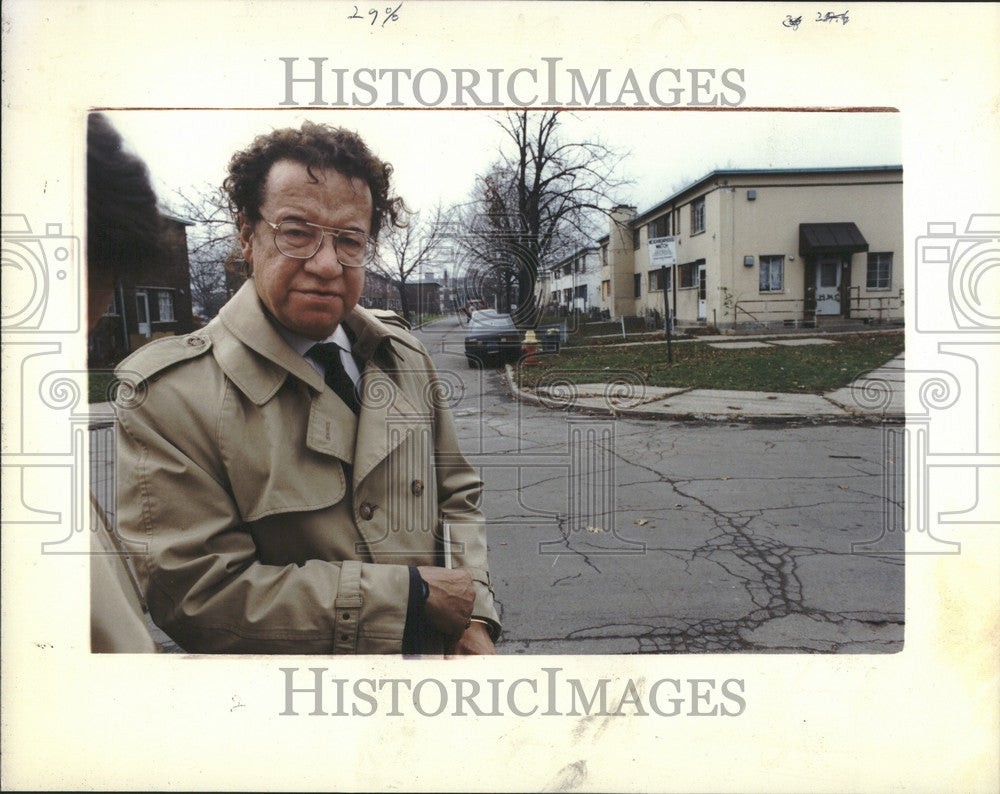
324 262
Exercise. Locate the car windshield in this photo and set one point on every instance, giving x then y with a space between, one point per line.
491 319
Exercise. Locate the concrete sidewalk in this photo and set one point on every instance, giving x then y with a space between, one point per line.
874 397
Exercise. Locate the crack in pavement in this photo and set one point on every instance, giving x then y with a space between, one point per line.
767 569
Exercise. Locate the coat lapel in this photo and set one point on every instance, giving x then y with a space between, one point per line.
386 418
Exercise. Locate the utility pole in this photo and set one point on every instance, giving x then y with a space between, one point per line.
666 314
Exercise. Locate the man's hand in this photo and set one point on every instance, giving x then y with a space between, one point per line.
449 601
475 641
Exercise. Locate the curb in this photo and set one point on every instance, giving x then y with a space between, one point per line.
757 419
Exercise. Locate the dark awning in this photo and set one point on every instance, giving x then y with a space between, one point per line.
830 238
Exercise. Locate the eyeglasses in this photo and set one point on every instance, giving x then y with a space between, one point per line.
301 240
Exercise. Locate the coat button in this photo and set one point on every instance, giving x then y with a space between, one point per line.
367 510
195 341
417 486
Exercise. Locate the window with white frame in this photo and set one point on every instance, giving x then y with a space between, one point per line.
879 270
772 273
698 215
166 303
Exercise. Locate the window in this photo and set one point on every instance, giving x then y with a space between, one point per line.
554 297
698 215
772 273
581 292
635 239
166 303
660 227
567 294
568 270
879 270
688 276
114 307
656 280
605 288
604 256
637 284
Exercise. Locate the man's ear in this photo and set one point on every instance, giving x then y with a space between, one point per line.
246 238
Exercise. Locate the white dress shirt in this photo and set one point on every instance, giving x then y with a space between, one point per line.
301 346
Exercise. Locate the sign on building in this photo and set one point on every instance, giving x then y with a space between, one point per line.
662 251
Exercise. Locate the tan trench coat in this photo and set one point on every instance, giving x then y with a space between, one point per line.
233 496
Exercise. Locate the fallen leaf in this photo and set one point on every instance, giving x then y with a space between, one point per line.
843 487
596 529
641 522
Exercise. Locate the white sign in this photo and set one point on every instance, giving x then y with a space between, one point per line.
662 251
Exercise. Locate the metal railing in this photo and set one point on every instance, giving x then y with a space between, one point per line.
875 307
765 314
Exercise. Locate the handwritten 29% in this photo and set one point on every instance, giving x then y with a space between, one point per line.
390 14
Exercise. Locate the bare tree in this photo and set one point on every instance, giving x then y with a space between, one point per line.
212 246
538 200
406 251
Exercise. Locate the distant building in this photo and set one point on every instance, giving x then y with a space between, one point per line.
423 297
769 247
380 292
151 300
574 283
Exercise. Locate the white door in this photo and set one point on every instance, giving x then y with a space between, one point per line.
702 312
828 286
142 313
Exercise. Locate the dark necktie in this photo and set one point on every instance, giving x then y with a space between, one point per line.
328 354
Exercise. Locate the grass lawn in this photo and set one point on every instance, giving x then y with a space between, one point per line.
97 386
806 369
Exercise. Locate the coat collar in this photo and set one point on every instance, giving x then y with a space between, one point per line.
258 360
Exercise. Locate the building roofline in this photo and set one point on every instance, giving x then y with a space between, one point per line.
586 249
849 169
170 217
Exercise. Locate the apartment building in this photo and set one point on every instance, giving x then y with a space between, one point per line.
766 247
574 283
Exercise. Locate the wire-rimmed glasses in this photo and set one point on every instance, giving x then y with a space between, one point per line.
302 239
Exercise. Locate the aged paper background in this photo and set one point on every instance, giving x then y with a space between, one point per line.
925 719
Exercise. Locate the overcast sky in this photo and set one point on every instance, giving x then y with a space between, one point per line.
437 153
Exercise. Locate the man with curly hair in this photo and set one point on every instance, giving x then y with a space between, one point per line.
290 477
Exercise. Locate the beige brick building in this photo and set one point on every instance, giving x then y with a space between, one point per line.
776 247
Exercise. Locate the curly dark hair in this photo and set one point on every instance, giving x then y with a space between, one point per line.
123 223
314 146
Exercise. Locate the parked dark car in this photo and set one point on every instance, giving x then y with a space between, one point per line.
491 337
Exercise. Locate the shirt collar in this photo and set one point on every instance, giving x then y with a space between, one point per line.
301 344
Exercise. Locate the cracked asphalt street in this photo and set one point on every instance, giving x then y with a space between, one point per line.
649 536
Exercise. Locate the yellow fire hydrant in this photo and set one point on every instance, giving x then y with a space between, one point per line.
530 347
